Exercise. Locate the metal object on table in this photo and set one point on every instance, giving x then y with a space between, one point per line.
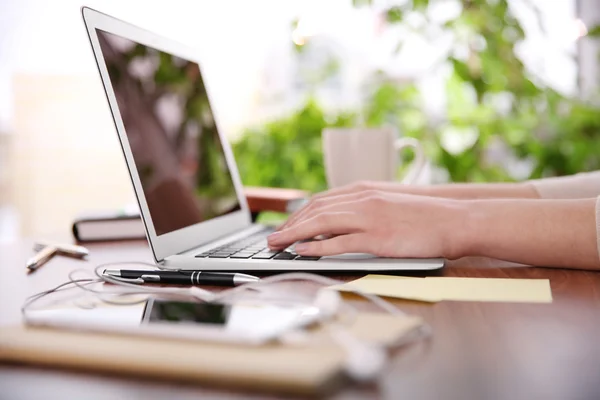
47 250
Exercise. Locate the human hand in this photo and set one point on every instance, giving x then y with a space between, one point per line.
358 187
380 223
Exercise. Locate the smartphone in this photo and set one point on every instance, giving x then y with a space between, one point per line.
248 322
245 322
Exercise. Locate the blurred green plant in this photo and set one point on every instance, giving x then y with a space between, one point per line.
501 113
287 152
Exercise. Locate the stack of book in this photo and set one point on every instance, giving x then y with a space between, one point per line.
108 226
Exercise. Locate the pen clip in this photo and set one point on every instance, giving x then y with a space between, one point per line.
137 281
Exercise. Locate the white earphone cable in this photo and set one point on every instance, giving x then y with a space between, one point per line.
364 361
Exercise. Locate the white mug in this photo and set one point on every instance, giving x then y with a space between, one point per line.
368 154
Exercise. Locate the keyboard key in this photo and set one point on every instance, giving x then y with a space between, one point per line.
243 248
255 251
230 251
291 249
265 255
285 256
307 258
242 255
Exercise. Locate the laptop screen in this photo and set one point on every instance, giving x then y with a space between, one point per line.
172 134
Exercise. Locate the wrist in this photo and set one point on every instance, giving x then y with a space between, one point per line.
462 229
480 224
467 229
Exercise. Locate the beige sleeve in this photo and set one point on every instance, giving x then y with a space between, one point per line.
579 186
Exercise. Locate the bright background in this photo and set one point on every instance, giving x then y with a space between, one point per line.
59 153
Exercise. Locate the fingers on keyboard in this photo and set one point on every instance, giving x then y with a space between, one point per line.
255 247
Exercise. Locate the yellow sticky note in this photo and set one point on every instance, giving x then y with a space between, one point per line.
492 289
391 286
435 289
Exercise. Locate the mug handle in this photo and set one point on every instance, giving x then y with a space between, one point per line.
419 162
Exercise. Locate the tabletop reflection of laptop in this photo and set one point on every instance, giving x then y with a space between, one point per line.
181 166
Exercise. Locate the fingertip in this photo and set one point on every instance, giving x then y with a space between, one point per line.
302 247
275 245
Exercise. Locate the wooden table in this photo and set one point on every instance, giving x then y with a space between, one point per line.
477 351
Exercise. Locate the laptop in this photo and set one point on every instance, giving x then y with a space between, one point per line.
182 168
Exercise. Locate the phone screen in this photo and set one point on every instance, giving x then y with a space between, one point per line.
181 311
242 319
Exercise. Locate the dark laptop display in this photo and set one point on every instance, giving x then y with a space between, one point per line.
172 133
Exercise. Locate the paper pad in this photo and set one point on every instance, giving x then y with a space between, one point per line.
433 289
291 369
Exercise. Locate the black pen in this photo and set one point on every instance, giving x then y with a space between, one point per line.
182 277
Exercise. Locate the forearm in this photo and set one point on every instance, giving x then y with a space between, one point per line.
479 191
552 233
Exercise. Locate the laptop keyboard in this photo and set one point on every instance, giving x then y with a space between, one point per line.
254 247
